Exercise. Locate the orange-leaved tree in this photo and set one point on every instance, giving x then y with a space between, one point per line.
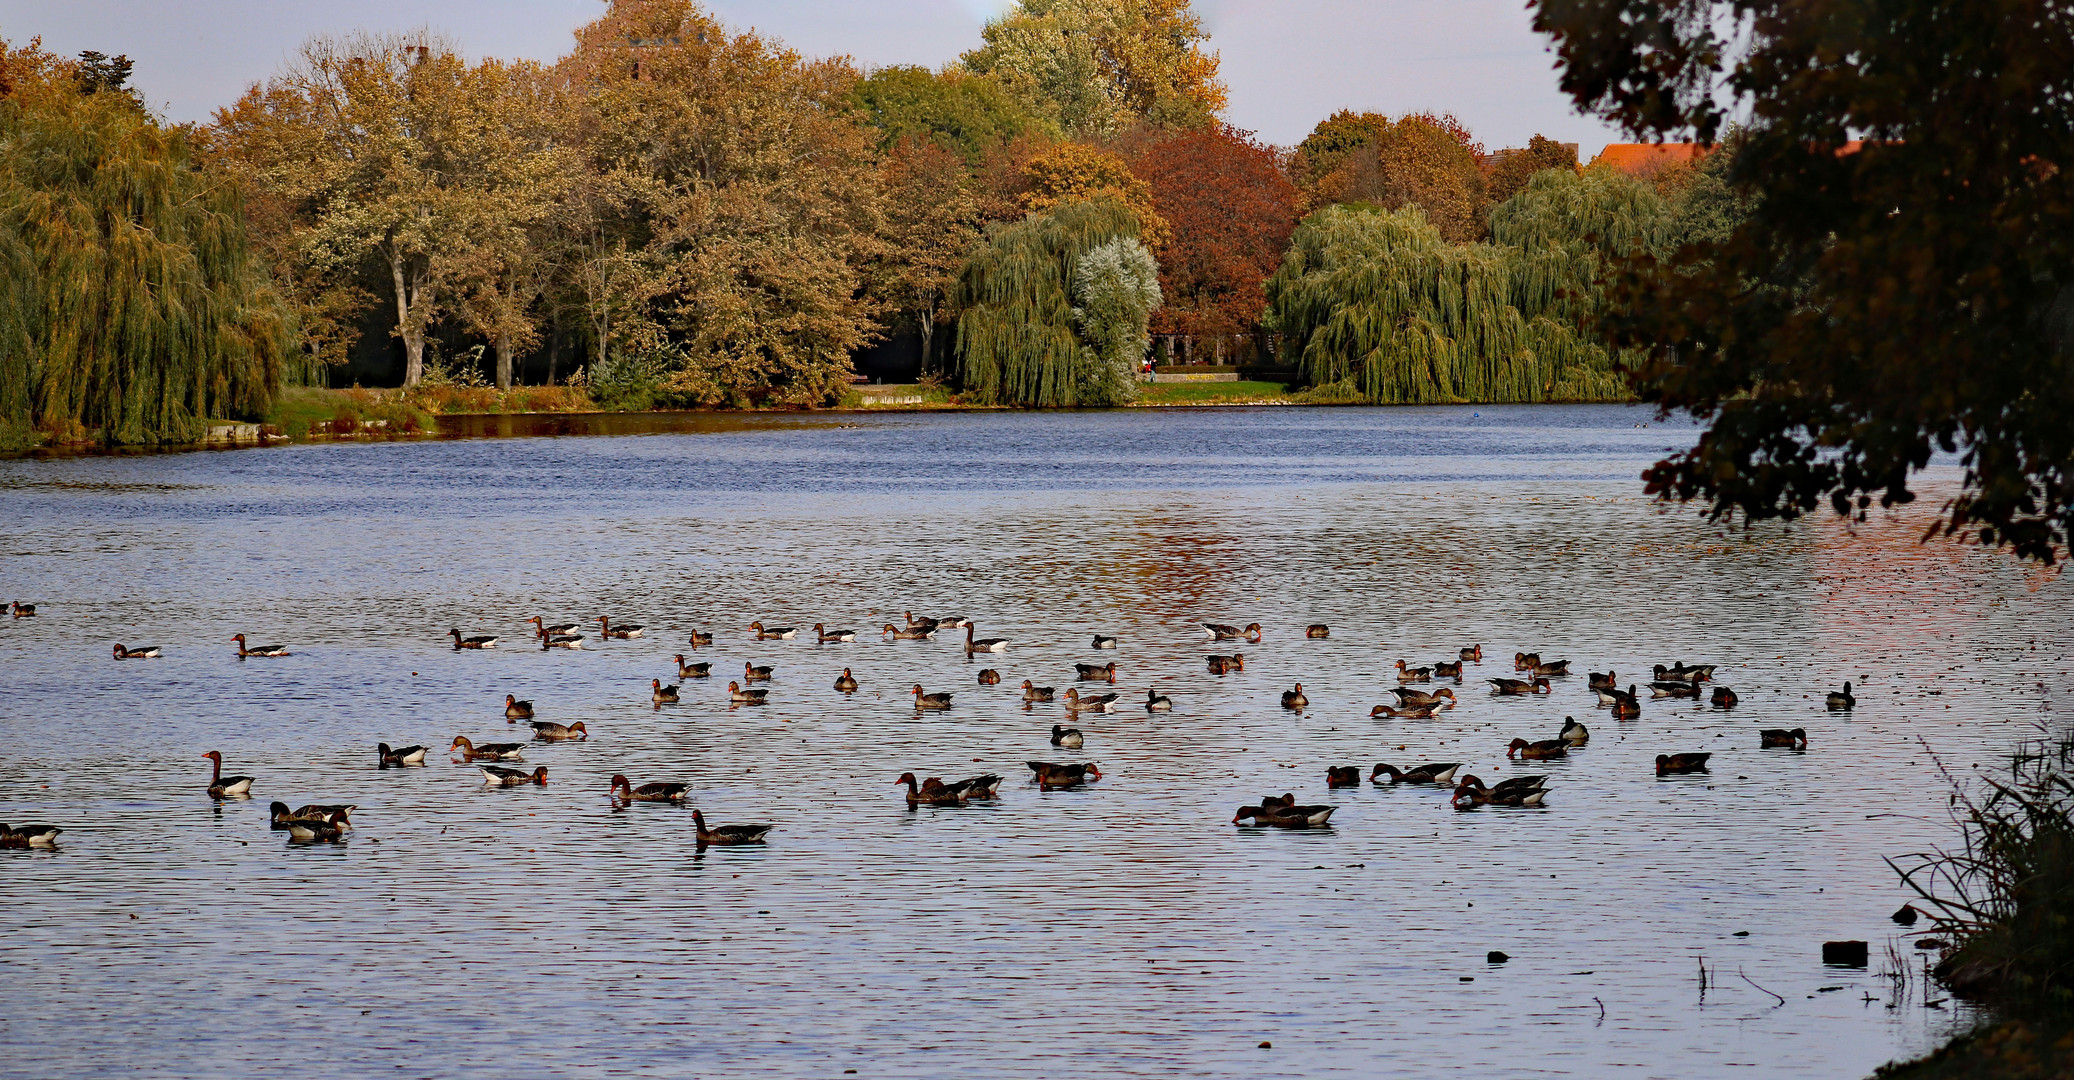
1230 208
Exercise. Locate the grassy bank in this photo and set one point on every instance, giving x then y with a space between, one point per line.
1214 393
2005 899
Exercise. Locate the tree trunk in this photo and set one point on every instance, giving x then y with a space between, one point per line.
927 324
503 345
409 322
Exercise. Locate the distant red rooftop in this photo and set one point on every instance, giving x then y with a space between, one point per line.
1637 159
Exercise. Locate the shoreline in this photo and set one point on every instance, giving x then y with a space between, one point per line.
247 435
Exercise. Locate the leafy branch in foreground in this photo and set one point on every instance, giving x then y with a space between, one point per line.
1904 282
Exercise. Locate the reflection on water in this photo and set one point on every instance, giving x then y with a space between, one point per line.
1121 928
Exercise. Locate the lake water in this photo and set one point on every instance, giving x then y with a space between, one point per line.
1126 928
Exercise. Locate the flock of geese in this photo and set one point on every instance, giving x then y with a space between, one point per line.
329 822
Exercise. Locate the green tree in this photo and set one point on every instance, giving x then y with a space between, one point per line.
1382 305
131 308
969 113
1020 337
1883 299
1093 67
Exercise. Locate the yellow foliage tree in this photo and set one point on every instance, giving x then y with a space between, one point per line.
1072 172
1093 67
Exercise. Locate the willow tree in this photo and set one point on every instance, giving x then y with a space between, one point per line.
1036 328
1381 305
131 310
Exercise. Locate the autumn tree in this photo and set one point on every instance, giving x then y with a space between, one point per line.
1903 282
1231 209
748 202
388 148
1073 172
1421 160
1509 170
1092 68
932 217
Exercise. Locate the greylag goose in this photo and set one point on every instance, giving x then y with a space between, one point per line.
1050 776
549 731
824 636
409 755
1439 772
1155 702
1339 776
663 791
1574 733
756 673
1538 751
147 652
773 633
1413 674
931 701
1225 665
1096 672
846 682
1317 630
1841 699
727 835
1105 641
621 632
221 786
499 776
660 694
701 670
739 696
989 677
262 650
983 645
1796 739
700 637
1036 693
496 751
1093 703
329 830
1069 738
542 629
916 633
1473 654
1228 632
514 709
1294 699
1725 698
24 611
479 642
1681 763
1519 686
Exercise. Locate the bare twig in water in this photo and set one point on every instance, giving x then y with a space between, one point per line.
1747 979
1602 1010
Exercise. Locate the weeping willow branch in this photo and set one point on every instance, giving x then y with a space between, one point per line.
1019 339
1379 303
131 308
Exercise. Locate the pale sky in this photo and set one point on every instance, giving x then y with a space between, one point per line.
1289 63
